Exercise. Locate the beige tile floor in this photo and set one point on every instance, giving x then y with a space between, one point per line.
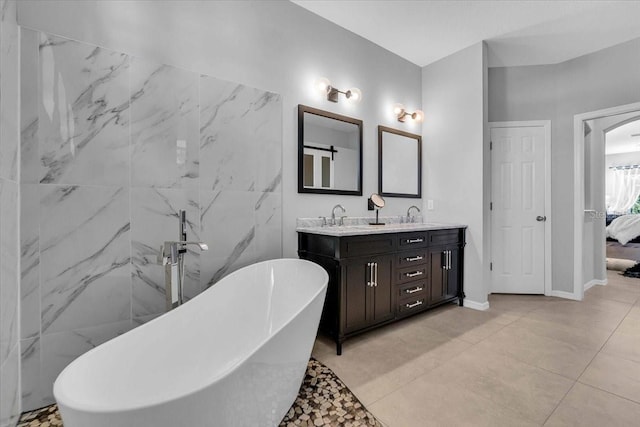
528 360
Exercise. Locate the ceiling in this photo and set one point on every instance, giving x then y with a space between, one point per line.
527 32
624 139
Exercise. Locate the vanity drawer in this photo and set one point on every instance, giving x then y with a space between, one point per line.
411 273
367 245
411 305
443 237
411 258
415 290
412 240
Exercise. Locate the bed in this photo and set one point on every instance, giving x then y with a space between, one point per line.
623 236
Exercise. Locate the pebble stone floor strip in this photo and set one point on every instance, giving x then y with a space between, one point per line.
323 400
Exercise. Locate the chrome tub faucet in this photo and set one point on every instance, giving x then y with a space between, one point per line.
171 256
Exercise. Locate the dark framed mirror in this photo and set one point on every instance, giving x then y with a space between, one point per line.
329 153
399 163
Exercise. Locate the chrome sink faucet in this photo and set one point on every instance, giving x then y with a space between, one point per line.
172 257
409 217
333 215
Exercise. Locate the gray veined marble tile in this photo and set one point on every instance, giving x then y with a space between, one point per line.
31 367
240 137
9 279
83 113
60 349
84 256
154 219
229 228
164 126
30 168
10 90
29 260
10 395
268 214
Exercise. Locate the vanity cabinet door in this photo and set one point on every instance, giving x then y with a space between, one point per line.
383 298
444 273
356 292
453 280
368 294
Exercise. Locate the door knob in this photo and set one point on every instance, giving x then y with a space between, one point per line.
541 218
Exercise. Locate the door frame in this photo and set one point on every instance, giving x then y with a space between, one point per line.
578 186
546 125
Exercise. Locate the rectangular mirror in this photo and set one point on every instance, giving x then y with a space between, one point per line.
329 153
399 163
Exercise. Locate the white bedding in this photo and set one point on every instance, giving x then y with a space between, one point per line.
624 228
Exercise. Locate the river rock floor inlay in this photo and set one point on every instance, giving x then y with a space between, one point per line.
323 400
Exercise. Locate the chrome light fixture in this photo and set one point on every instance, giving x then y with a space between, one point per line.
401 113
353 95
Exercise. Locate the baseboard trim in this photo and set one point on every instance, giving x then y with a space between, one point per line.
565 295
594 282
481 306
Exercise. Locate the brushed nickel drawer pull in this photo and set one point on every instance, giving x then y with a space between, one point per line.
414 274
413 290
415 258
415 240
415 304
370 281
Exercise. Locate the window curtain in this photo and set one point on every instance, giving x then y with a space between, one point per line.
626 189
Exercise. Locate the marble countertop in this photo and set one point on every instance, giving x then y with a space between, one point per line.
360 226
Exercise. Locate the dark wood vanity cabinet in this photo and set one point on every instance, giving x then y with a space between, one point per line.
368 292
379 278
444 275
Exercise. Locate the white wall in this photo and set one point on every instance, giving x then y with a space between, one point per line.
275 46
600 80
453 93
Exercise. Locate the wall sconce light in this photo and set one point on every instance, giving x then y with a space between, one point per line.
402 114
354 95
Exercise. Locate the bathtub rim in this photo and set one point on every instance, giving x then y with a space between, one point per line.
69 402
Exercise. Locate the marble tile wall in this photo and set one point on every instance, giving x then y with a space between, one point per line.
112 147
9 216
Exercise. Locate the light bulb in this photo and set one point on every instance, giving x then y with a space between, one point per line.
323 84
398 109
418 116
354 95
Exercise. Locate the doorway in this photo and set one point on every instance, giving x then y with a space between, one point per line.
519 208
589 196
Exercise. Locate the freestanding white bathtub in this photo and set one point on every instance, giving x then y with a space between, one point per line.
233 356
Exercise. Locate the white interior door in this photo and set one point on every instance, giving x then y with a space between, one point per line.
518 209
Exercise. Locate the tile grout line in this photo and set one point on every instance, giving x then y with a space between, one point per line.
532 365
608 392
587 366
472 345
560 402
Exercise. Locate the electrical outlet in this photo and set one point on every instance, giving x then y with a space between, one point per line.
430 205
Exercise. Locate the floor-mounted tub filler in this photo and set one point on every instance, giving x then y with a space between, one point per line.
233 356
